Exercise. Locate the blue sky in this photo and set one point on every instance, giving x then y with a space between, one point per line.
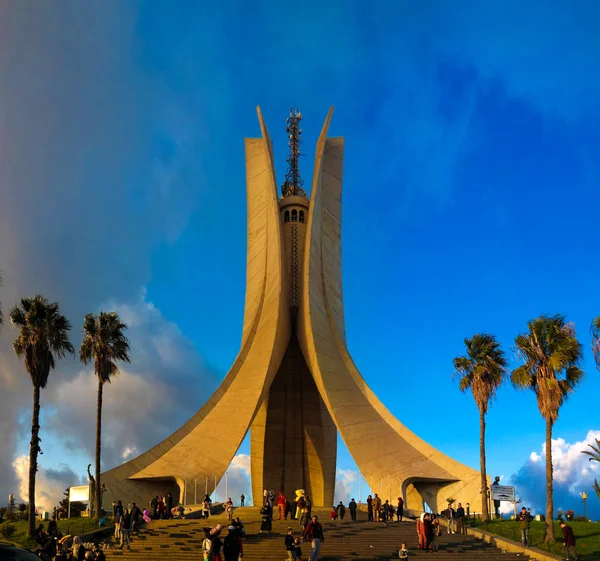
470 182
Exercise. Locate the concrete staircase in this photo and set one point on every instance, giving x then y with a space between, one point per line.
180 540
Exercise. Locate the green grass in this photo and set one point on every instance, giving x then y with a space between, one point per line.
74 526
586 533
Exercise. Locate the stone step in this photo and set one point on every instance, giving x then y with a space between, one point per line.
180 540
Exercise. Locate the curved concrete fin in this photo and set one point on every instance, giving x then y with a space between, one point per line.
388 454
202 449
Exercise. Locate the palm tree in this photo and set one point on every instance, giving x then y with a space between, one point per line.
482 370
43 338
594 457
551 354
595 331
103 342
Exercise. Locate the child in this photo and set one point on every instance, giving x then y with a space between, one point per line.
289 544
403 553
297 549
206 545
333 513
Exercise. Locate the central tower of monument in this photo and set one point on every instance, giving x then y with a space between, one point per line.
294 384
293 438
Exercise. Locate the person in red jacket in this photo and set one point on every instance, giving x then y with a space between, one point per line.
568 540
281 504
314 534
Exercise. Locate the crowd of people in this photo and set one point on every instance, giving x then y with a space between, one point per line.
52 545
230 548
379 511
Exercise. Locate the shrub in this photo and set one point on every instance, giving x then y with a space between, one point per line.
580 519
570 514
7 530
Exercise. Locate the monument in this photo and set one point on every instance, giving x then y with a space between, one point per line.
294 385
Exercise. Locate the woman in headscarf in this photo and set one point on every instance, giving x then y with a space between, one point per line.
78 551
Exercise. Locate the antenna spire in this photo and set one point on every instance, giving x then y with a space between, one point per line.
293 182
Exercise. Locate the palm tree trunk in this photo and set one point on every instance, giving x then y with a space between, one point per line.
549 499
485 515
98 504
34 447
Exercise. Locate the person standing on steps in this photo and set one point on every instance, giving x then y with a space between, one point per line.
314 534
242 499
436 532
233 548
304 518
422 540
289 545
267 517
385 512
154 507
229 509
125 529
376 507
206 545
136 514
400 509
370 508
216 543
169 504
451 515
341 510
460 519
281 504
352 507
206 504
298 549
117 513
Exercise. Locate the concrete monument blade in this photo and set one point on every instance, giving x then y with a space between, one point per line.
294 384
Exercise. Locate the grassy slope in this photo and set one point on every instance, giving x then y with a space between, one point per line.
586 533
74 526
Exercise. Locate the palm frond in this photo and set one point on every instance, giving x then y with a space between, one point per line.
482 369
43 336
521 378
105 343
595 453
551 354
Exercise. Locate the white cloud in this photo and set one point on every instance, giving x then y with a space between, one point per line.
346 485
236 482
535 457
129 453
50 483
165 384
573 474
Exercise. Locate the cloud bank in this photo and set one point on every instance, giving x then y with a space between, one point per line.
573 474
86 193
50 483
